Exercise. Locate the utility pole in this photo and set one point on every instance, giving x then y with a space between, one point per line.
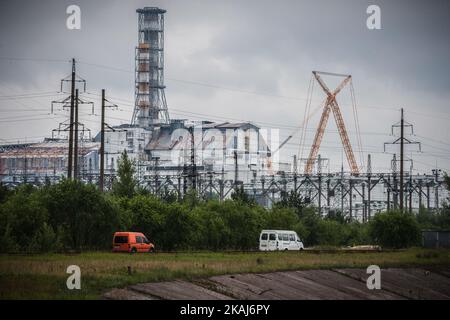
410 189
156 165
436 173
235 169
364 207
75 148
103 126
394 181
389 194
295 173
402 141
222 178
402 145
69 102
184 179
102 145
369 186
328 193
193 165
350 196
319 177
342 188
72 95
25 166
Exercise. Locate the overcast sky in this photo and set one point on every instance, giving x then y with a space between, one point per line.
246 59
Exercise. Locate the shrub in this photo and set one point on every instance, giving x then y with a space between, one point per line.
356 233
311 222
177 228
330 232
147 216
210 229
245 224
46 240
87 218
22 217
395 229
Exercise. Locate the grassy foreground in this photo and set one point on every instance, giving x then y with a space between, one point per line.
44 276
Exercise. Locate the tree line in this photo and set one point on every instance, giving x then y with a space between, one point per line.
72 215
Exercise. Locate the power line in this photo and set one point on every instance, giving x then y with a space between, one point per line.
390 108
226 118
30 119
34 59
30 95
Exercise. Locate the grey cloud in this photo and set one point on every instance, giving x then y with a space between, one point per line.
265 46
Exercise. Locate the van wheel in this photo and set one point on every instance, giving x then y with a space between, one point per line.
301 249
286 249
133 250
151 250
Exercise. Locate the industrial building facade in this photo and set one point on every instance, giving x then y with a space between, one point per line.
46 161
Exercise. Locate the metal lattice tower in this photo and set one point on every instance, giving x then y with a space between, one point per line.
150 102
332 105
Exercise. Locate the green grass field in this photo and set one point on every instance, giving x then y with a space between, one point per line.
44 276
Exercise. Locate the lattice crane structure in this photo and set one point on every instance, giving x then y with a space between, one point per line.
331 105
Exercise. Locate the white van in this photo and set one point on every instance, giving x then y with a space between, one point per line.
271 240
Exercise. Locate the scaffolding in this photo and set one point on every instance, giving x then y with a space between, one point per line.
150 102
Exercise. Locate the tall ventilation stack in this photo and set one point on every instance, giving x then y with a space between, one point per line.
150 108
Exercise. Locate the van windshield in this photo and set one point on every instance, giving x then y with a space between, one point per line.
264 236
121 239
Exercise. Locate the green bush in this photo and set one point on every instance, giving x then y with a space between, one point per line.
244 222
147 216
177 228
46 240
210 230
23 222
85 215
330 232
395 229
311 221
356 233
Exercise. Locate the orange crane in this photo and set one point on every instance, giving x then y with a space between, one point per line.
331 105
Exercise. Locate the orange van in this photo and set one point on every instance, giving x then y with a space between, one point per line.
132 242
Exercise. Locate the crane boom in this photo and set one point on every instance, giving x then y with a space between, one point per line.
344 138
331 105
318 137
